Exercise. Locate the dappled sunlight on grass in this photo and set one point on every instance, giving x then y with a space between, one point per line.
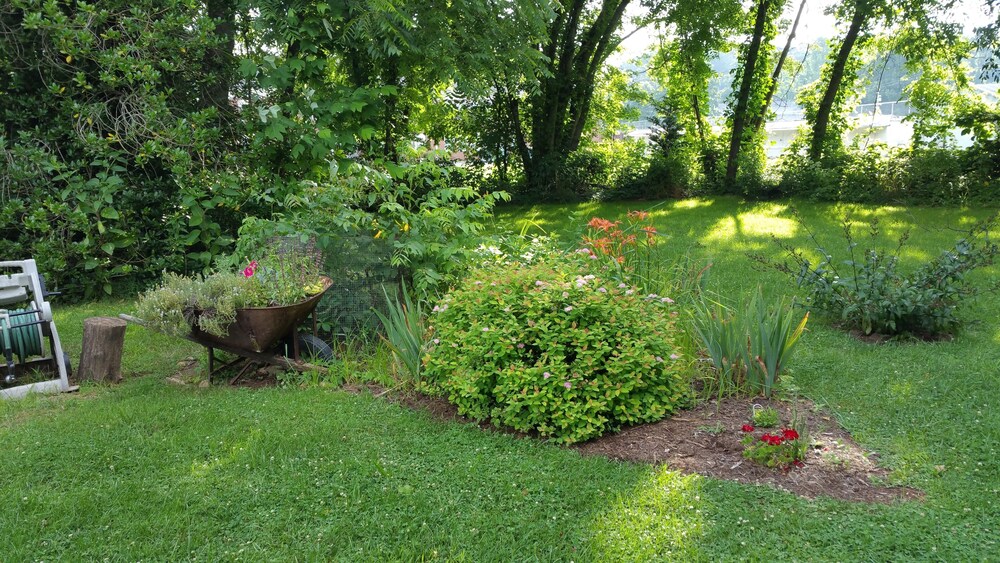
226 457
759 222
661 518
724 229
693 203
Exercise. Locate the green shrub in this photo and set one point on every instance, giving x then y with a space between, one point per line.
548 349
873 296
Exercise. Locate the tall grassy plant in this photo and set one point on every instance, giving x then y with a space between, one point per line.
750 350
723 336
404 327
774 333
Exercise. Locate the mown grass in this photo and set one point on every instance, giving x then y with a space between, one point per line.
147 470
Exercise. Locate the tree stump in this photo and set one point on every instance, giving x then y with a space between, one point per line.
103 346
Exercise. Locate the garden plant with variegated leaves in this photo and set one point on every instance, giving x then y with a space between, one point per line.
553 349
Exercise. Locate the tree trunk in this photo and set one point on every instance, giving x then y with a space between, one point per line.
103 346
218 59
762 117
822 122
561 106
743 97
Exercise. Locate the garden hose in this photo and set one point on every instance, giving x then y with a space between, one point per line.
21 334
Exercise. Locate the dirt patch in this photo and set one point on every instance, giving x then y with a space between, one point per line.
706 440
703 440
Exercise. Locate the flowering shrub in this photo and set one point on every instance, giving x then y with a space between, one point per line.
782 450
550 349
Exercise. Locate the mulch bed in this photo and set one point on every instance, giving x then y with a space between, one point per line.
704 440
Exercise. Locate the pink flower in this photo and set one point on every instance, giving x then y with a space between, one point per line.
546 375
790 434
568 385
602 290
520 345
249 270
674 356
568 308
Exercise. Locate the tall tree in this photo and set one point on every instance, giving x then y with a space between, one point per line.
864 16
579 40
693 33
776 75
753 81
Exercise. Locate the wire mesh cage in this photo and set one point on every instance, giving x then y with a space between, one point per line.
360 268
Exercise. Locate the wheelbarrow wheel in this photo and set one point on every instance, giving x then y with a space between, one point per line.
312 348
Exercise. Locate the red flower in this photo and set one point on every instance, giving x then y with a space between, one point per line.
798 463
772 440
790 434
747 428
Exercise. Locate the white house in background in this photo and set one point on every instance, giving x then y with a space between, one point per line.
881 122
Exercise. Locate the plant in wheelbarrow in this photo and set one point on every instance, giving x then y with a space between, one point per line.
280 288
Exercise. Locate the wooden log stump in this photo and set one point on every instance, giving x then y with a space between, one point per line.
103 346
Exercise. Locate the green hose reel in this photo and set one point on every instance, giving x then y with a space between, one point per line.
21 334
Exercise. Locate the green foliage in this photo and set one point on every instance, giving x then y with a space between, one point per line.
878 174
750 349
765 418
547 349
112 165
405 331
873 296
431 227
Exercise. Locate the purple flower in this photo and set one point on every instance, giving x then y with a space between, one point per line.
674 356
602 290
568 385
539 283
520 345
666 300
622 286
486 329
437 341
546 375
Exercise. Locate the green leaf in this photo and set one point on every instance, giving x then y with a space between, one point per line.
110 213
108 248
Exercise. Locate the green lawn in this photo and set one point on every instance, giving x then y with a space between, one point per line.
146 470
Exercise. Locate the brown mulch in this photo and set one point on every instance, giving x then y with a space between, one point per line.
706 440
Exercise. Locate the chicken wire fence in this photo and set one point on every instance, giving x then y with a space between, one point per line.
360 268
